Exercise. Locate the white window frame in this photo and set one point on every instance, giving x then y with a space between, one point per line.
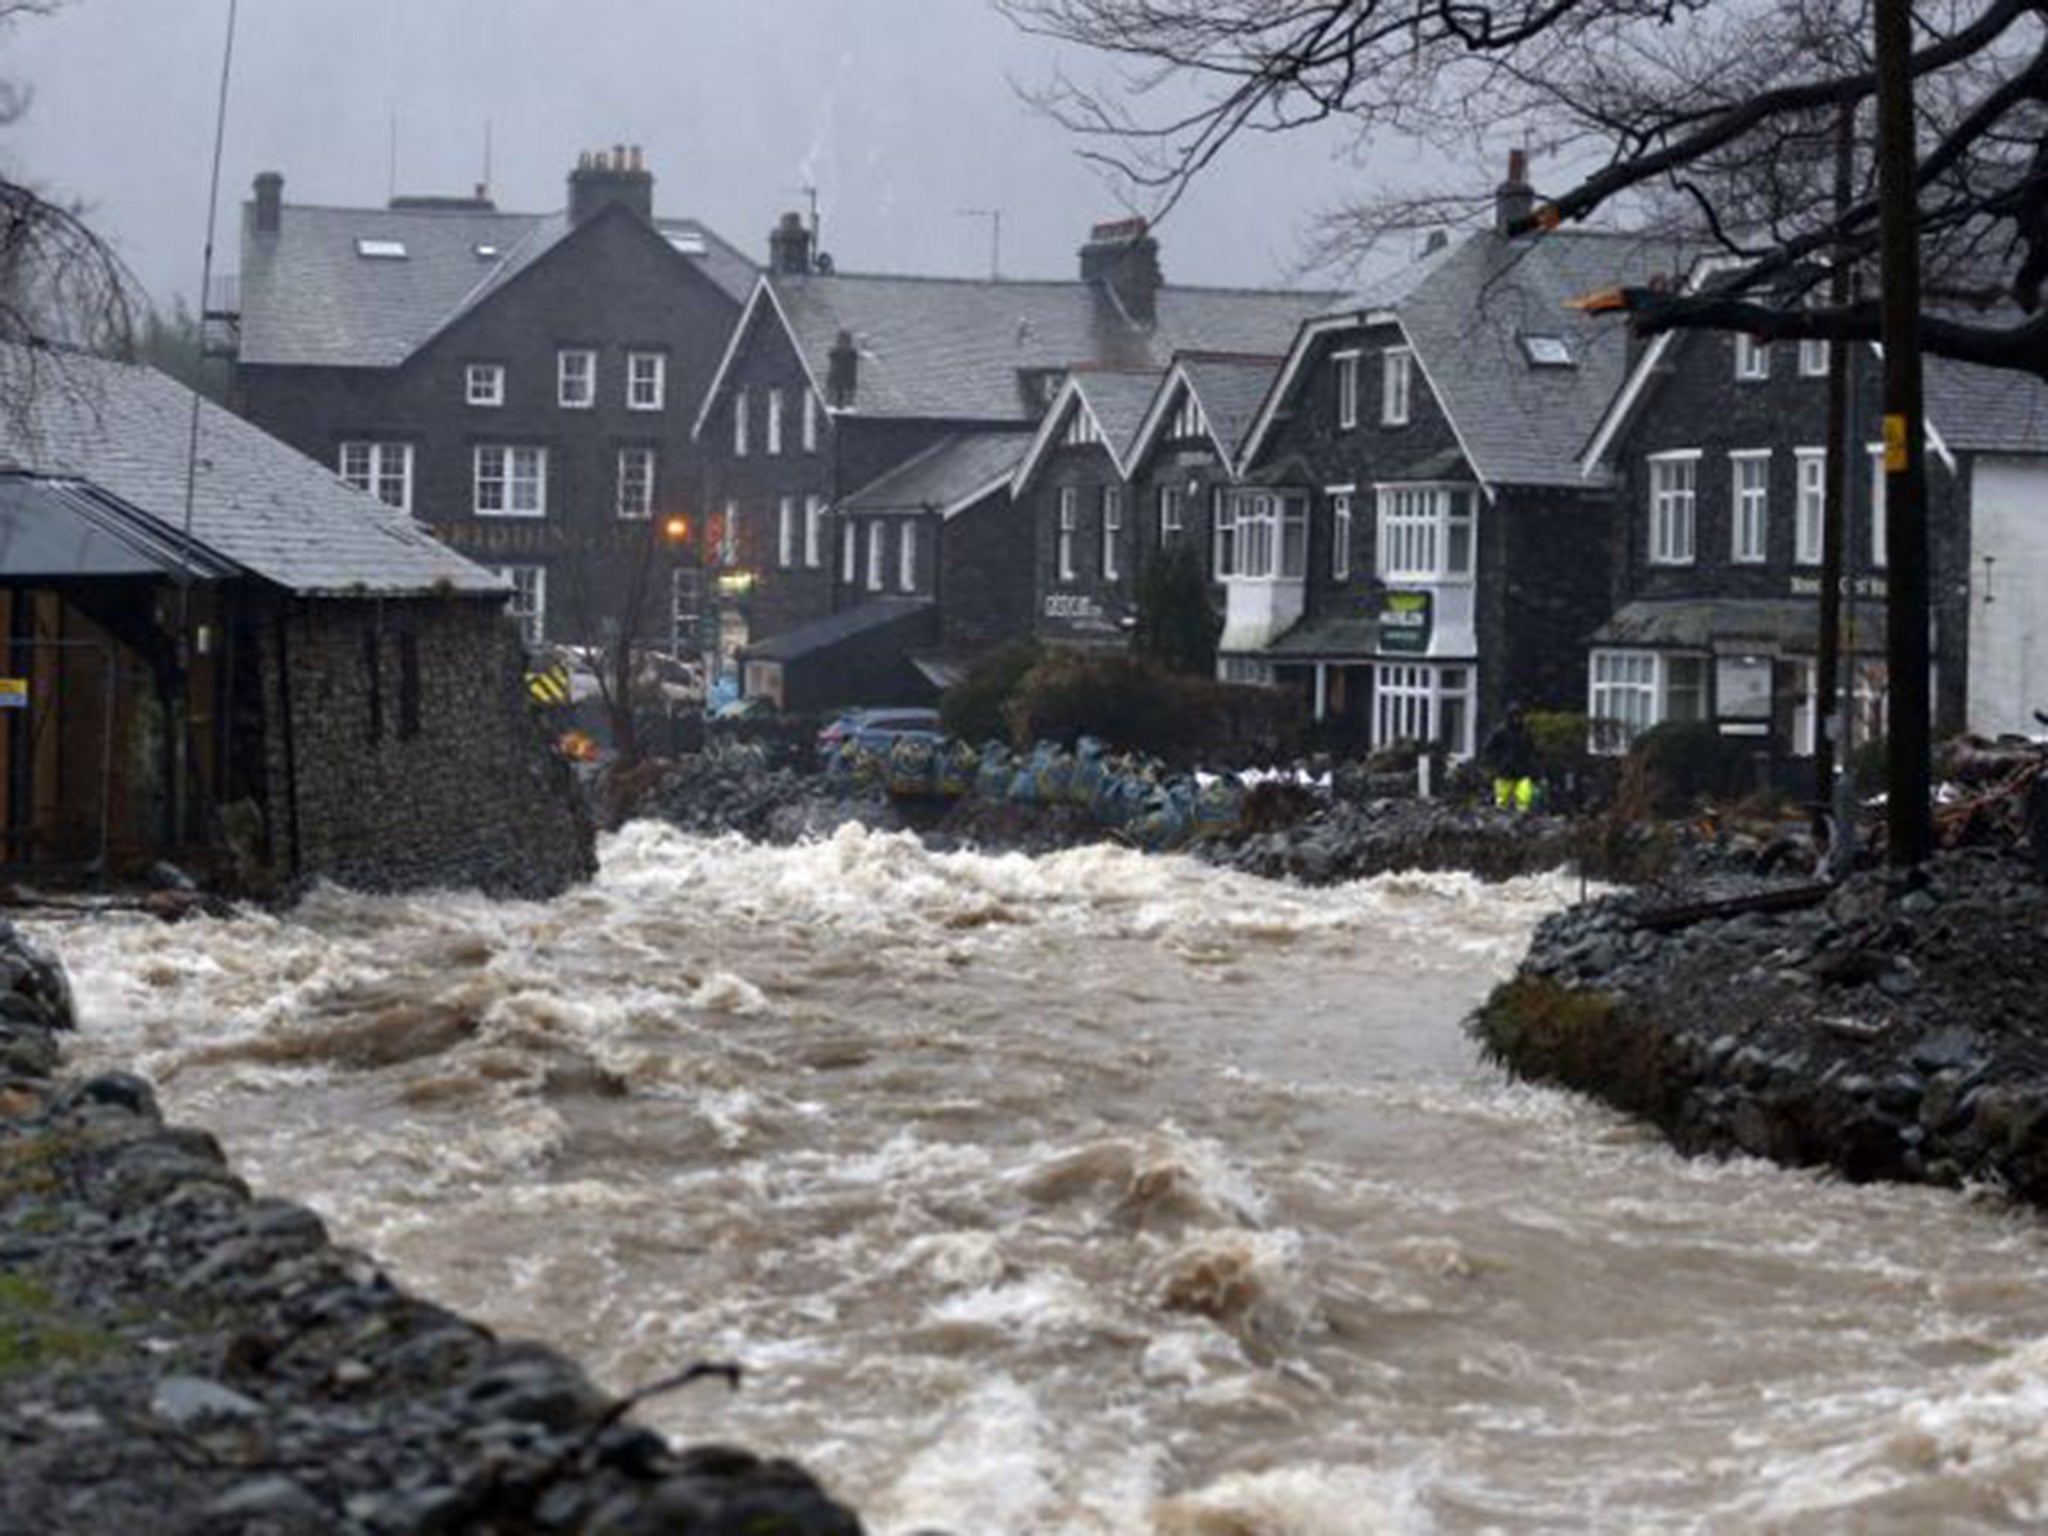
483 385
739 423
1346 366
1752 358
1112 530
1816 358
814 532
1172 512
1674 483
1397 386
576 386
685 617
1426 532
1069 523
1809 521
1420 701
773 442
785 532
906 556
849 552
1341 514
1629 691
810 426
1749 506
646 381
1878 529
509 480
1222 535
528 605
1271 529
878 553
638 467
383 469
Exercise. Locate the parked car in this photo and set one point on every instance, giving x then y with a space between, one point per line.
752 706
878 728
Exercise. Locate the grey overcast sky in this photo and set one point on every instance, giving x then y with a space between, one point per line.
900 112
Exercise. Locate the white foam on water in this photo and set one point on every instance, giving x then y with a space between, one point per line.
1309 1500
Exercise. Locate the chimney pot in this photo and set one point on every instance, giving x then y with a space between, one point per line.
1122 257
789 246
1514 200
602 177
842 377
269 187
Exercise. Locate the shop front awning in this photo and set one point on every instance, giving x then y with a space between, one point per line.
1738 626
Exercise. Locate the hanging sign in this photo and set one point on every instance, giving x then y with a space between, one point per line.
1406 619
13 693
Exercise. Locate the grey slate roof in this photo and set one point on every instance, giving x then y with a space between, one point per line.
1231 390
308 298
261 504
1730 624
1986 410
943 475
957 347
1120 401
1467 314
837 628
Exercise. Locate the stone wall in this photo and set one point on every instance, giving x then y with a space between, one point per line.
405 755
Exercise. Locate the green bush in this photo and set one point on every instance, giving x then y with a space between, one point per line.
976 709
1177 626
1133 704
1559 737
1686 761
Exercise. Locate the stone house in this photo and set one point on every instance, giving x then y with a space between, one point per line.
834 381
1414 543
1717 443
522 383
248 665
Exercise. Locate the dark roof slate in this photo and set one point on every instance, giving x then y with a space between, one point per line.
1986 410
1231 390
256 501
943 475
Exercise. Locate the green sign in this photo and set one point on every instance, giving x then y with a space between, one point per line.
1406 619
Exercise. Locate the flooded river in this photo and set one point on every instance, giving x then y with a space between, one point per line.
1095 1193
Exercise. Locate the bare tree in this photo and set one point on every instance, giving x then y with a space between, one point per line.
1714 116
61 284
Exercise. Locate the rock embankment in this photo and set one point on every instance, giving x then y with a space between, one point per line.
1888 1028
179 1356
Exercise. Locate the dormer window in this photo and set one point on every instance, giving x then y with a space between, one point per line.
371 249
1548 352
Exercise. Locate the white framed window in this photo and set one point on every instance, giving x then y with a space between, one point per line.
785 532
1397 372
1630 691
528 606
1070 519
1426 533
1879 528
646 381
1112 529
1346 366
1222 535
774 443
685 609
1173 504
1815 358
810 422
1869 686
849 552
1340 534
878 550
814 531
1674 485
1752 357
382 469
1749 476
576 378
1810 525
1423 702
636 482
1188 421
1271 534
510 481
739 423
1081 429
729 536
906 557
483 384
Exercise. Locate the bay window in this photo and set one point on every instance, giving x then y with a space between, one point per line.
1270 531
1631 691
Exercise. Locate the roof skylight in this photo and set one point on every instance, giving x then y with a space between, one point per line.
1549 351
380 250
688 241
486 253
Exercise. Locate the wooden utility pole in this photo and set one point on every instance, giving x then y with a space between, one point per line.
1909 824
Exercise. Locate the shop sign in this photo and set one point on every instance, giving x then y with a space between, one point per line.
1862 586
1406 620
13 693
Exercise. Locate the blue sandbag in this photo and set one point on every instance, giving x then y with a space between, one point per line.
913 770
998 768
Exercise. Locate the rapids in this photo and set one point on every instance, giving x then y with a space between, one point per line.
1097 1193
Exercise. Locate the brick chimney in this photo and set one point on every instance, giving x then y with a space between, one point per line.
269 202
789 247
842 373
1123 257
601 179
1514 199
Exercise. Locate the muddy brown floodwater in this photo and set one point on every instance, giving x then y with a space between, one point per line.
1096 1193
